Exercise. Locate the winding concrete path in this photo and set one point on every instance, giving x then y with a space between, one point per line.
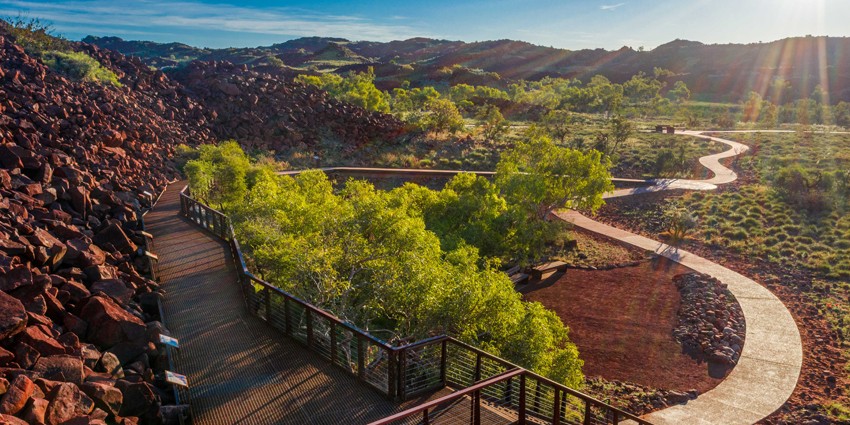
772 356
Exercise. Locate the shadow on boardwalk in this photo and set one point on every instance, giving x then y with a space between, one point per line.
241 370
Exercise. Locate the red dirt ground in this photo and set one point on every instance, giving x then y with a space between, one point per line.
622 322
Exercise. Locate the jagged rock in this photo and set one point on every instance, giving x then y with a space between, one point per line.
114 324
11 420
67 402
105 397
113 288
84 254
109 363
114 234
60 368
17 277
17 395
25 355
139 398
36 411
42 342
13 316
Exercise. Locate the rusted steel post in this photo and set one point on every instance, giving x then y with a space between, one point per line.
425 420
476 413
443 361
361 358
402 373
521 406
287 313
556 408
309 327
268 304
587 413
392 374
333 342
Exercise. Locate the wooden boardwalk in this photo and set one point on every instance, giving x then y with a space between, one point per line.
240 370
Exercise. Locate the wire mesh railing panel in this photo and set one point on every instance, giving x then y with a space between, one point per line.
277 311
572 409
422 368
460 366
321 335
298 322
346 351
376 366
490 368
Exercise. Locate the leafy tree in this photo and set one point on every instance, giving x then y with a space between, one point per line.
539 177
357 88
841 114
218 175
443 115
493 124
79 66
557 124
680 92
620 129
752 107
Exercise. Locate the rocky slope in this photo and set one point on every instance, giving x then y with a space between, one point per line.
264 110
78 164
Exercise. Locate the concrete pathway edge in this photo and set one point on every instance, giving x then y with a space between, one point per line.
772 356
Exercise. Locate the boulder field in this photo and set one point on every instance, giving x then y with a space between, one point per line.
79 164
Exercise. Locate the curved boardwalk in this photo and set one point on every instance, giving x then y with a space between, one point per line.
770 362
241 370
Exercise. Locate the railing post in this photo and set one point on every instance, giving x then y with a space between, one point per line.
361 358
402 373
268 304
425 420
616 418
309 327
288 314
556 408
392 374
521 406
476 412
537 395
333 341
443 361
587 412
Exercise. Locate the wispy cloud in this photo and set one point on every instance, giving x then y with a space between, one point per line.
163 15
611 7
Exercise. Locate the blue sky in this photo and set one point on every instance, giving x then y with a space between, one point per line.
571 24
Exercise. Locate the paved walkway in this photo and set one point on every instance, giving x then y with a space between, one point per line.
770 362
241 370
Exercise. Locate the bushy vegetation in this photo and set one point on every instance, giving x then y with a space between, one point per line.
413 262
79 66
355 88
38 39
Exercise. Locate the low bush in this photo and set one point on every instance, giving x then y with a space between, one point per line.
79 66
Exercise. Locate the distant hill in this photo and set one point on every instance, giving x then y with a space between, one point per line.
720 72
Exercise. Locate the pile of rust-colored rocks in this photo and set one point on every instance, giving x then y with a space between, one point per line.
710 320
261 110
79 162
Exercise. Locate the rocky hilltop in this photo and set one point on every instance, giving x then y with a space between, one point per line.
264 110
79 164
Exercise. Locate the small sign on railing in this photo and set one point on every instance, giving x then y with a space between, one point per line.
167 340
176 379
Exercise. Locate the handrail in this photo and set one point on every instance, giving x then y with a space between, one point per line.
424 407
400 371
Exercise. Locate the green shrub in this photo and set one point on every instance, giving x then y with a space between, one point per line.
79 66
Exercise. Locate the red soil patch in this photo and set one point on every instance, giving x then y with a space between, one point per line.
622 322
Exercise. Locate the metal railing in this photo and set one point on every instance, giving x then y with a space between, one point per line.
400 372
